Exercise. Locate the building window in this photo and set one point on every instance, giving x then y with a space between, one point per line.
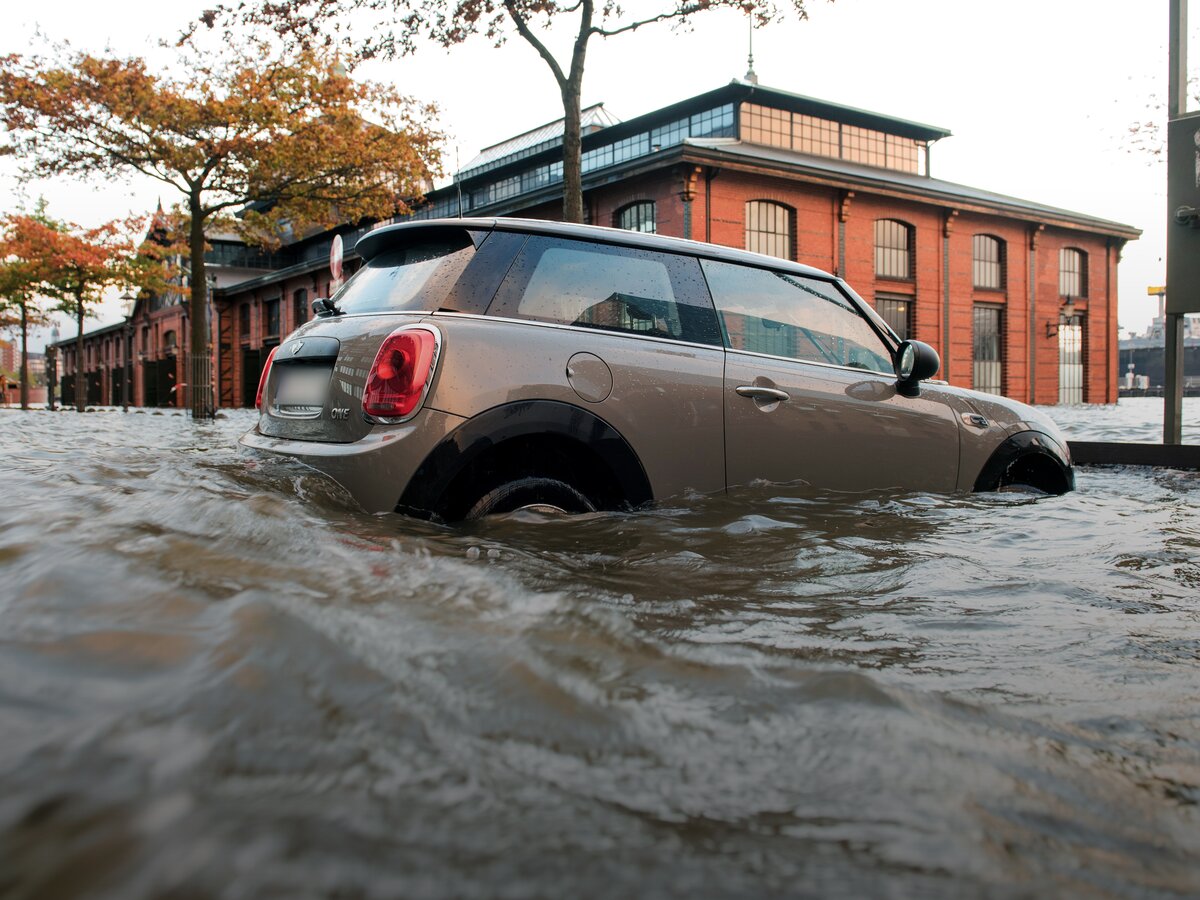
1072 273
894 246
271 308
169 341
244 323
825 137
989 262
300 307
637 217
1070 359
987 349
897 312
769 228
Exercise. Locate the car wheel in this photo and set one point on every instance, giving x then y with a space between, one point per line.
532 493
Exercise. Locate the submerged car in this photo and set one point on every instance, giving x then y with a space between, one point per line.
480 366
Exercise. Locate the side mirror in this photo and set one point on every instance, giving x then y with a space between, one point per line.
915 361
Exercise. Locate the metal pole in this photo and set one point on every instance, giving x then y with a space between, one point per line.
1173 387
1176 106
125 368
1177 54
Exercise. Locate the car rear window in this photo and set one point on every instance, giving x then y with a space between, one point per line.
415 276
609 288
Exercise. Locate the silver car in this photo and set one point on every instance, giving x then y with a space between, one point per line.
480 366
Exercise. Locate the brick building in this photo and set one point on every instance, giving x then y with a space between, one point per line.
1018 297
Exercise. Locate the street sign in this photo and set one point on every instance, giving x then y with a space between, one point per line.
1183 210
1155 289
335 258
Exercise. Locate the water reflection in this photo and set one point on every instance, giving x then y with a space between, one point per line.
219 678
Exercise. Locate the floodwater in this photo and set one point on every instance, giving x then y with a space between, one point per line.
218 679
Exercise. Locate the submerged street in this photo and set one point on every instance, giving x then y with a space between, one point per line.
219 678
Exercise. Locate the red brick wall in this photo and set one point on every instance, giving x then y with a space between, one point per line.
816 243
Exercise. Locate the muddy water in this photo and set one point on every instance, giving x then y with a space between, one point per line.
219 679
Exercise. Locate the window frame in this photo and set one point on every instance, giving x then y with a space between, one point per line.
637 206
910 303
1000 262
1066 274
683 270
860 306
1000 312
789 218
909 251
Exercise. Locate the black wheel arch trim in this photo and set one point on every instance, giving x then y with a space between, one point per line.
467 443
1019 445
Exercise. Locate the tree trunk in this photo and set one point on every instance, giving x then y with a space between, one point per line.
572 152
80 374
198 370
24 357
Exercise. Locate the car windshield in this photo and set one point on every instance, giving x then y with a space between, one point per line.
413 277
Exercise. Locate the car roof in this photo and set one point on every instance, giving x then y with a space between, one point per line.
375 242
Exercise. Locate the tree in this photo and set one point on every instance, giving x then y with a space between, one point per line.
288 139
75 266
21 281
451 22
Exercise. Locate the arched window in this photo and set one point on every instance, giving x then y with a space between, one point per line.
169 341
637 217
1072 272
894 245
989 262
769 228
299 307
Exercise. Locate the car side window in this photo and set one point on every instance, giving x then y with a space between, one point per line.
797 316
609 288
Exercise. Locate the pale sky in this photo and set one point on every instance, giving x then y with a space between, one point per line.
1039 94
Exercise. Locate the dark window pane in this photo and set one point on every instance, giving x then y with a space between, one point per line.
637 217
610 288
897 312
413 277
803 318
300 307
987 350
271 308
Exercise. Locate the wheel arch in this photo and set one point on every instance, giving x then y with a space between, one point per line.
1028 457
504 438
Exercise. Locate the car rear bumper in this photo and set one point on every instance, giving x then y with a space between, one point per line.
375 469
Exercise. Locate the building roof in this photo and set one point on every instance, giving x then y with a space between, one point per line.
544 137
875 177
734 92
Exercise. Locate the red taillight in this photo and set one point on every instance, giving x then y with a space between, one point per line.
262 379
399 374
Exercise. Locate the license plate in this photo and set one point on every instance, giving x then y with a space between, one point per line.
302 385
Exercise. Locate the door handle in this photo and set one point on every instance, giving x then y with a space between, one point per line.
761 393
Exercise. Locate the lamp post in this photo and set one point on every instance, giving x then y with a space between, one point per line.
128 302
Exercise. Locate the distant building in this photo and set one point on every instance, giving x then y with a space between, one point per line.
1019 298
10 356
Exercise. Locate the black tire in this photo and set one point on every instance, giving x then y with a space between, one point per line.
532 492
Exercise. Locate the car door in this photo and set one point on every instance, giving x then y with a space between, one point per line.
627 333
809 391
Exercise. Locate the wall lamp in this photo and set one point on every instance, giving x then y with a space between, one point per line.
1067 312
